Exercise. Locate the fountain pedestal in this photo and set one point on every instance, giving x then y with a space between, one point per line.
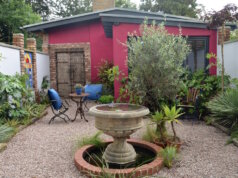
119 121
119 152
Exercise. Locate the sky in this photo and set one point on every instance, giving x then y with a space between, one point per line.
209 4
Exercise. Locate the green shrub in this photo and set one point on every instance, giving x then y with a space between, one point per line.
168 154
104 99
234 135
224 108
107 73
5 132
208 86
13 95
155 61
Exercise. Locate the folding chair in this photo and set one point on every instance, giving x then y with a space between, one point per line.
57 106
94 91
191 101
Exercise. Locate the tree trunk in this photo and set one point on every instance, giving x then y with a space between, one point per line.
222 57
172 124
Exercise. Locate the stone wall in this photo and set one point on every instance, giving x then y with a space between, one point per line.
226 34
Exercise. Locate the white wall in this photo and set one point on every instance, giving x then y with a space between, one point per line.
230 58
43 67
10 63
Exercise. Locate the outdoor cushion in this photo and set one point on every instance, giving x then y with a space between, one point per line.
94 91
55 99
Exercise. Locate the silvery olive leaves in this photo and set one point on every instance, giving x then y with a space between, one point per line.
155 60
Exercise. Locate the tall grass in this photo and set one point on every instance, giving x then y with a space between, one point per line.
168 154
95 140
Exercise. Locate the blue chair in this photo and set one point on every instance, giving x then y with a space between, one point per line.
57 105
94 91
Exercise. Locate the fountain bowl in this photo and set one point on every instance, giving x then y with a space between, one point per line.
119 120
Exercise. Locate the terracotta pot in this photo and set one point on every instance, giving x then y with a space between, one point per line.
177 143
159 143
169 142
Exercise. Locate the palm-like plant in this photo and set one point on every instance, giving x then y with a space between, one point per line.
171 116
224 108
160 121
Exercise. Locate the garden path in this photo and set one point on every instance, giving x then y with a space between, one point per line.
43 151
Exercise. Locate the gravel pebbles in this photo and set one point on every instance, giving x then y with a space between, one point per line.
44 151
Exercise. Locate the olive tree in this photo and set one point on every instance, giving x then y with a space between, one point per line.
155 63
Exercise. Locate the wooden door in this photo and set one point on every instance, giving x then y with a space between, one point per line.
77 69
63 77
70 70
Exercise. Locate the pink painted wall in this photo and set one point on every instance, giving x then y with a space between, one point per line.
120 34
111 48
101 47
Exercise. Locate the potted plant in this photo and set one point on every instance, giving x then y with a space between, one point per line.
78 88
167 115
171 116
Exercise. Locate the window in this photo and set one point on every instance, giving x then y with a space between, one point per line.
196 59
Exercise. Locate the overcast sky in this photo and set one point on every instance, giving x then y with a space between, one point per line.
209 4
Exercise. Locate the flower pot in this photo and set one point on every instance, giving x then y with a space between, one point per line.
78 91
177 143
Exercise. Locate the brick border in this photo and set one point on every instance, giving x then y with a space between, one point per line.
69 47
144 170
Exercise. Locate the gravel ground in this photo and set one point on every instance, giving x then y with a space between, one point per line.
43 150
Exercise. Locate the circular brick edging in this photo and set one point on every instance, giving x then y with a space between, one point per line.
144 170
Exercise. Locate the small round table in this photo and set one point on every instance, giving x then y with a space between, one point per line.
79 99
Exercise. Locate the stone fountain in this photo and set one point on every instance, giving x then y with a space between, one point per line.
119 121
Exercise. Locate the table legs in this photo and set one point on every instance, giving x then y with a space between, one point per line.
80 111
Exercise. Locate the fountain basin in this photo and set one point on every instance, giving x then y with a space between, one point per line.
119 120
146 169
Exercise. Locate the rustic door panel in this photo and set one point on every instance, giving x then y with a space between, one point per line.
77 69
70 71
63 69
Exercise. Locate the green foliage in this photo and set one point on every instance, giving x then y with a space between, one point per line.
16 100
13 15
234 135
62 8
90 140
168 154
43 93
13 95
150 135
107 73
40 7
234 35
155 60
5 133
104 99
125 4
178 7
169 115
78 86
208 85
224 108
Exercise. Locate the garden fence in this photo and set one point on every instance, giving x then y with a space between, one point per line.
230 58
